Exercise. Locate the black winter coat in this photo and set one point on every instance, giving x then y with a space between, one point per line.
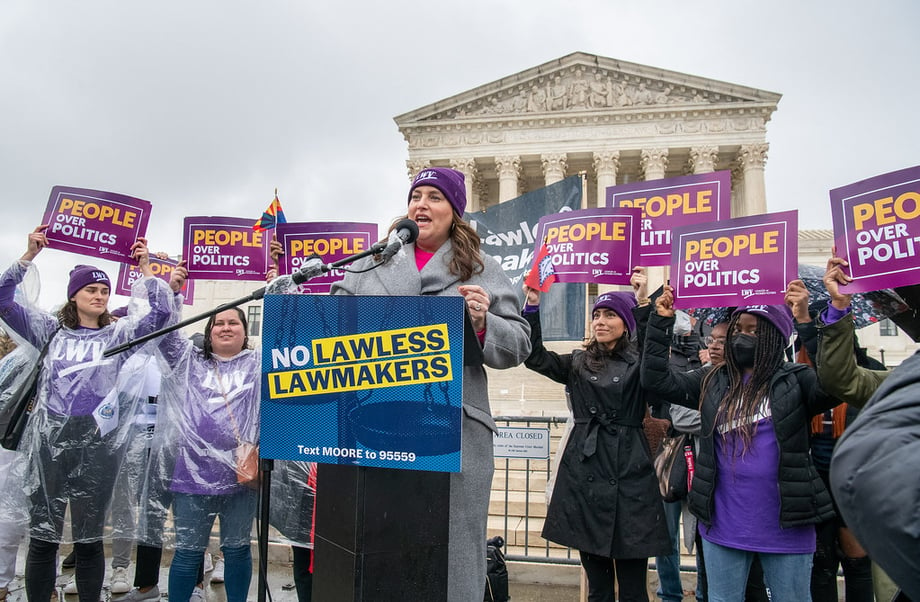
794 398
605 500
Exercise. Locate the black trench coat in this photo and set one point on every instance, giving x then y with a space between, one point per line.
605 500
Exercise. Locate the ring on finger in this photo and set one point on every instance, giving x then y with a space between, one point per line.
478 307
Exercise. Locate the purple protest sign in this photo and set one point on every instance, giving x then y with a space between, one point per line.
672 202
224 248
741 261
877 230
162 269
95 223
591 245
333 241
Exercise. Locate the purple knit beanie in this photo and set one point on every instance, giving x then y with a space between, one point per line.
622 304
779 316
449 181
84 275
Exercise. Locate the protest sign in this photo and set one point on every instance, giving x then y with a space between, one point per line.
592 245
162 269
95 223
224 248
366 381
333 241
672 202
877 230
741 261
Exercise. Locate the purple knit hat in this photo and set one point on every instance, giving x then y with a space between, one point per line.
780 316
622 304
449 181
84 275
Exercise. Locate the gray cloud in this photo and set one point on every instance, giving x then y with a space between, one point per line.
205 107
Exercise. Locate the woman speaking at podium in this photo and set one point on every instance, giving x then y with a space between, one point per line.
446 260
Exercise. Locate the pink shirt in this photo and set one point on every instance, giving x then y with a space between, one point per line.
421 259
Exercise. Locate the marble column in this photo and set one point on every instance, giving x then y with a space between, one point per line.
703 159
508 170
752 158
653 163
606 165
415 166
467 166
553 167
737 190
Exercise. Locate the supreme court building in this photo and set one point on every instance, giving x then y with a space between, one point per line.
616 122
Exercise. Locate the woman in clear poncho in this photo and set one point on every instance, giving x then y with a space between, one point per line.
73 441
209 404
14 516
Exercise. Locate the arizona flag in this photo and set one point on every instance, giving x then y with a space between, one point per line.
542 275
272 216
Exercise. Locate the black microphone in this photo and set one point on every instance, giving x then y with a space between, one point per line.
404 233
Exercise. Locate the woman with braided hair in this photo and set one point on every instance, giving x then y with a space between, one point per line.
755 490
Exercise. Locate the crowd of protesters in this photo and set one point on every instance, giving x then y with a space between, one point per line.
788 486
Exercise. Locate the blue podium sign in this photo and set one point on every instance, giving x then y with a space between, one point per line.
364 381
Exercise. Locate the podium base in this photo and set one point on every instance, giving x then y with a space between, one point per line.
381 534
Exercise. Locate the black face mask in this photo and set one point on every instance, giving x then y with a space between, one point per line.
743 346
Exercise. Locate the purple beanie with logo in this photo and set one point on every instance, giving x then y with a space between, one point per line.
780 316
621 304
84 275
450 182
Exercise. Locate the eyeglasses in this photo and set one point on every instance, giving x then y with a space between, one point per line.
715 342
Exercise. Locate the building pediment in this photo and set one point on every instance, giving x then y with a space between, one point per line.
582 83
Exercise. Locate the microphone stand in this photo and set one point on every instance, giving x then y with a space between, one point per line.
311 269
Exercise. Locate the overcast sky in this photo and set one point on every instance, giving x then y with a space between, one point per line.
204 107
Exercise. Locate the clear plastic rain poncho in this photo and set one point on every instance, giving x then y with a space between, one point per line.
14 511
208 407
77 437
293 492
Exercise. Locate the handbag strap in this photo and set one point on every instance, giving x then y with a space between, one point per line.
38 365
44 351
223 393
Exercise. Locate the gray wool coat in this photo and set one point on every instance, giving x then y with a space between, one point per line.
506 344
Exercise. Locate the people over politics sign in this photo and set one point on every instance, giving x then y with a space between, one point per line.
671 202
877 230
162 269
95 223
224 248
741 261
331 241
591 245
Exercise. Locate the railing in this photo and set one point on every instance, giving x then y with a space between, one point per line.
519 528
523 542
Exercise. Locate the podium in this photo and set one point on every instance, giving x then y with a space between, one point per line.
371 389
381 534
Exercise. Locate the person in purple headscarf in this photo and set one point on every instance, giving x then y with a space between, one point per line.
73 441
755 489
209 400
605 502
